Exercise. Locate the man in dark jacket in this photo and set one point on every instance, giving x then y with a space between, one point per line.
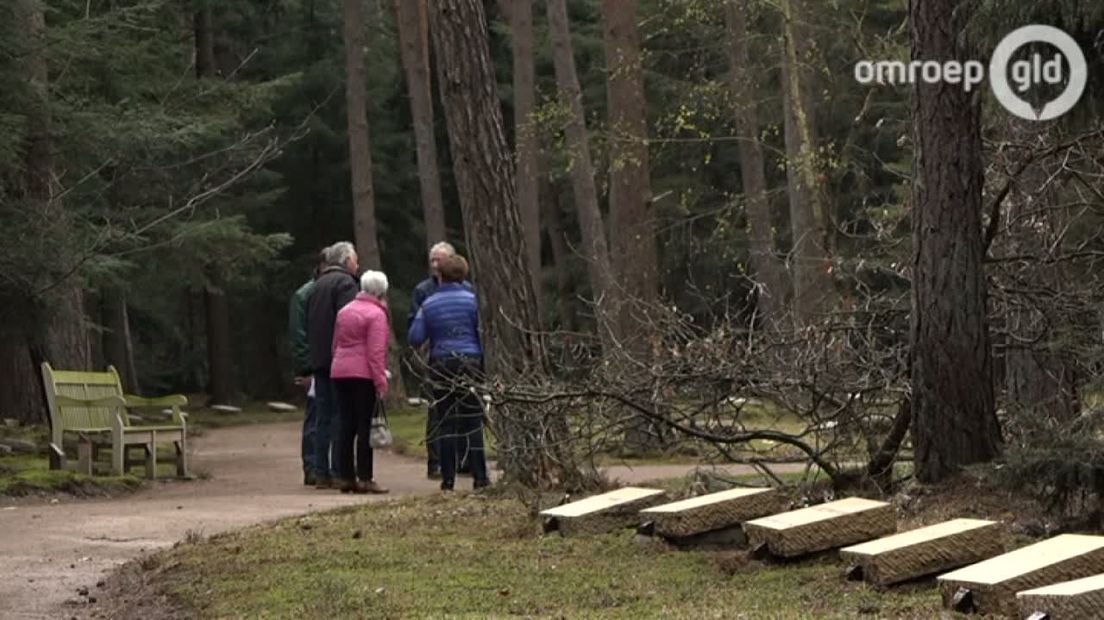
336 286
300 354
423 291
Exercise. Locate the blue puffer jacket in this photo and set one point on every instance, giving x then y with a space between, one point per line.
449 319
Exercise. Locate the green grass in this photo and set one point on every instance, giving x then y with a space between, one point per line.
27 474
474 557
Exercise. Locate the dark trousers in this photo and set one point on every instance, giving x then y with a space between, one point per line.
326 421
461 416
357 403
309 421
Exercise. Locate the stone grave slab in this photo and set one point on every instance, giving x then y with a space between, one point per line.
991 586
601 513
818 528
924 551
714 512
1080 599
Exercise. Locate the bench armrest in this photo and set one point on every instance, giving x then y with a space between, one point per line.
103 401
173 400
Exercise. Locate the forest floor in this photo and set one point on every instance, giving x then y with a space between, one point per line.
57 550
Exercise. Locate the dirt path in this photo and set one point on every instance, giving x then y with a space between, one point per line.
48 551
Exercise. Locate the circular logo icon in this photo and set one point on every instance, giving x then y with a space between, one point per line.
1037 71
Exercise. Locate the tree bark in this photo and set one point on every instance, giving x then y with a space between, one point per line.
812 281
595 249
525 136
204 39
953 411
360 151
634 256
220 365
557 242
65 334
414 49
118 346
21 395
766 268
221 386
485 183
1040 373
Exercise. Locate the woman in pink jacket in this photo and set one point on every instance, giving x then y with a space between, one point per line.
359 371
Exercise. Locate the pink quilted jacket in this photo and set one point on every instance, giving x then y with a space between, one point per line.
360 342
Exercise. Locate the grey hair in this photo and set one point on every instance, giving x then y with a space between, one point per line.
338 253
374 283
444 246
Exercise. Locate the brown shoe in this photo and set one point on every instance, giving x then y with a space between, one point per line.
345 486
323 483
372 486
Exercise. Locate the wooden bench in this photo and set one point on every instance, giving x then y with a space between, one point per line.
991 586
601 513
92 406
819 528
692 519
1070 600
924 551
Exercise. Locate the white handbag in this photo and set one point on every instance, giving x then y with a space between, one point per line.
380 435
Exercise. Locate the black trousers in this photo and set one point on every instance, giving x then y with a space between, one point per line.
356 400
460 415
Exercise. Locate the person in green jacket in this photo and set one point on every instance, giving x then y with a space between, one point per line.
300 355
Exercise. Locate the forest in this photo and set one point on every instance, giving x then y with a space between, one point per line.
688 222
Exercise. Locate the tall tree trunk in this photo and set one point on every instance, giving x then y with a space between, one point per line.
21 396
634 256
560 257
360 152
954 422
812 281
221 386
118 347
766 268
65 333
595 249
204 39
484 180
485 183
414 49
525 135
1040 376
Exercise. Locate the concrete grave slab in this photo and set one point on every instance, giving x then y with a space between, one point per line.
924 551
1080 599
817 528
991 586
601 513
714 511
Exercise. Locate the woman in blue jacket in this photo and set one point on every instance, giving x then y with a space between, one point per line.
449 320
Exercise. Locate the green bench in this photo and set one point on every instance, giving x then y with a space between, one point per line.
92 406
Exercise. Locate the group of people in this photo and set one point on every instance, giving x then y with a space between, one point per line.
340 330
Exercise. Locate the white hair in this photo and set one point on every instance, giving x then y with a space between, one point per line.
443 246
339 253
374 283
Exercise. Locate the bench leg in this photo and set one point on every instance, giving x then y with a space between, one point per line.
151 458
181 457
85 456
118 455
57 457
